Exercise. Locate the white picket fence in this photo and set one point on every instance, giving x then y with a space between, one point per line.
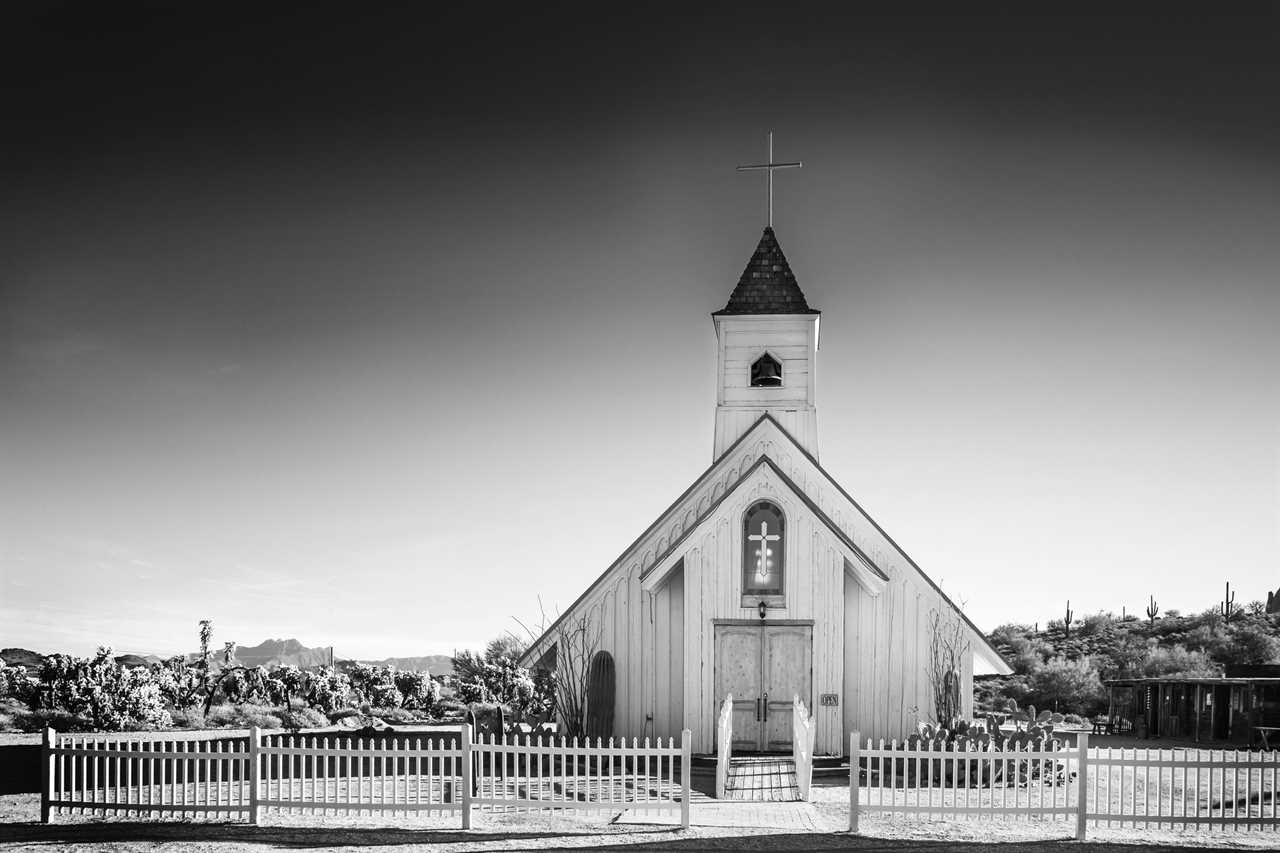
1167 788
228 777
1231 789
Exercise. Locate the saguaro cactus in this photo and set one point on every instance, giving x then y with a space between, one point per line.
1229 609
600 690
1066 623
1153 609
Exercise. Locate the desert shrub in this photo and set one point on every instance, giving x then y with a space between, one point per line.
10 710
181 685
449 708
302 717
290 681
1065 684
1178 660
995 693
342 714
16 683
329 691
395 715
191 718
500 681
376 685
111 697
417 690
54 718
243 716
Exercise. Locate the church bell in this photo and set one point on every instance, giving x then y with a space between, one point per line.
766 373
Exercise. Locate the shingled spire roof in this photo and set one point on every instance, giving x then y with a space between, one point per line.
767 285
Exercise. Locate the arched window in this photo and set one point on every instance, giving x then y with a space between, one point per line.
766 372
763 549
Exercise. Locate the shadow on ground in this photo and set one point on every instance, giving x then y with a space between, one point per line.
266 836
295 837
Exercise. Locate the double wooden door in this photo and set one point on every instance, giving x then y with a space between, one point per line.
764 667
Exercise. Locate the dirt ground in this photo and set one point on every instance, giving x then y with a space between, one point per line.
20 830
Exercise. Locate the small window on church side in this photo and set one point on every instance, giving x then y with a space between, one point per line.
766 372
763 547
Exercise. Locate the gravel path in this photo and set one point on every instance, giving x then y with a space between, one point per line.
20 830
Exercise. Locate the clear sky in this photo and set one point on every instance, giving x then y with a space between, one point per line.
371 331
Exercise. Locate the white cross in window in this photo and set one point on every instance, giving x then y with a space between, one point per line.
764 551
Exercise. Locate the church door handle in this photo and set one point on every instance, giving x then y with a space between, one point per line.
757 709
766 707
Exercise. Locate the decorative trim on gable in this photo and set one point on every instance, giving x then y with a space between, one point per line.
871 577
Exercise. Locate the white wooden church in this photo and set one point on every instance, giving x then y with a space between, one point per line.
765 578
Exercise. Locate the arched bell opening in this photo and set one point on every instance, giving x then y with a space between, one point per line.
766 372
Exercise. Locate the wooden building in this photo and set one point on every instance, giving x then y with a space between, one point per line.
765 579
1239 710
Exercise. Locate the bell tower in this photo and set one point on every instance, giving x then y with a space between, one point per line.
767 347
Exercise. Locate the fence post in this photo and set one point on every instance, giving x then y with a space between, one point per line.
46 772
1082 795
854 774
255 742
468 775
686 774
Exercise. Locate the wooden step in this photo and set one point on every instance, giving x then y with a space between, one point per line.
762 779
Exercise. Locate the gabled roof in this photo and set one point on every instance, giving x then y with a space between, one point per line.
767 285
987 651
764 461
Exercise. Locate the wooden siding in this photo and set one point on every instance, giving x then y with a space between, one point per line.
793 340
869 650
713 590
886 658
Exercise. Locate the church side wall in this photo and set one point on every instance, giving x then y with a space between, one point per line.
887 659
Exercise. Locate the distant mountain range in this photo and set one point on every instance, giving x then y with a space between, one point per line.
280 653
32 660
268 653
434 664
22 657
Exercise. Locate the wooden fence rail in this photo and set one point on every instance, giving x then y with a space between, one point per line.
237 778
1175 788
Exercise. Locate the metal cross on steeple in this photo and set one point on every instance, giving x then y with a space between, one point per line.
769 167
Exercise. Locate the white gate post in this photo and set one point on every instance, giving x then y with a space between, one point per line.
854 761
46 772
467 775
686 774
1082 794
255 741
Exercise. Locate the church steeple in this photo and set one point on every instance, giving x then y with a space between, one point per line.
767 352
767 285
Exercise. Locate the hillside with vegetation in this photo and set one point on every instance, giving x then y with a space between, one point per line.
277 684
1063 666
